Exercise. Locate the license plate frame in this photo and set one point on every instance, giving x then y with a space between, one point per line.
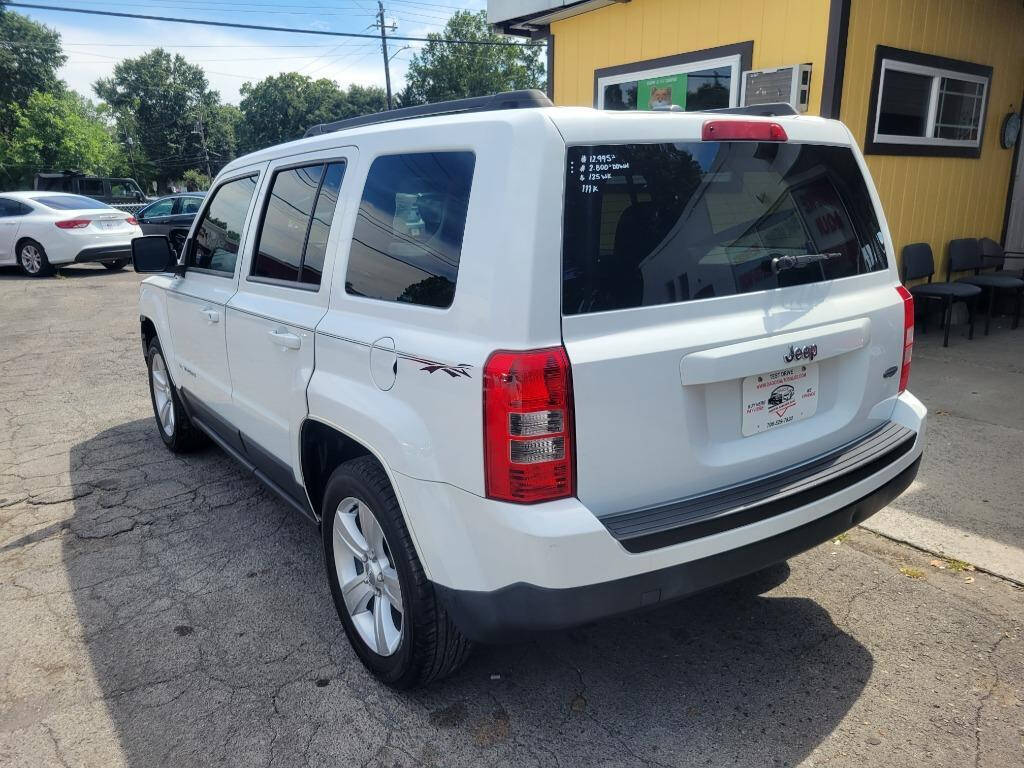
779 398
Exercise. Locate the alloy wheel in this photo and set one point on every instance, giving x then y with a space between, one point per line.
162 394
31 259
367 577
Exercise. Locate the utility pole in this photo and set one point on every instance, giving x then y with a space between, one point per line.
130 142
202 139
384 48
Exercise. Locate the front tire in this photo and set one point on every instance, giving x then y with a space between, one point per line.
115 266
32 259
386 603
172 422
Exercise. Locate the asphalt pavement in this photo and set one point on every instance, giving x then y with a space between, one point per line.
158 610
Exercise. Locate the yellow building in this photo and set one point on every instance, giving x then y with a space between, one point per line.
926 86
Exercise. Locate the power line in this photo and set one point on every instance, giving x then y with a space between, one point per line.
265 28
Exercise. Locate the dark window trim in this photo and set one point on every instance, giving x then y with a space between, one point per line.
1013 179
311 287
745 51
871 147
201 216
296 283
835 58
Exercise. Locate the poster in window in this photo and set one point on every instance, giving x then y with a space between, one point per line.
657 93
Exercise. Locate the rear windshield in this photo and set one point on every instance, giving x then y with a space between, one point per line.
70 203
653 224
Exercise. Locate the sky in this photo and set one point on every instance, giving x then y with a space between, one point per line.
230 57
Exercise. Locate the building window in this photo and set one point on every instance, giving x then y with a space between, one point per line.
708 79
926 105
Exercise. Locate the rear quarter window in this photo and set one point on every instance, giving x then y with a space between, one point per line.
648 224
407 241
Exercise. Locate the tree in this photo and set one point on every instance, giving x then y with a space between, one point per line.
195 181
442 71
281 107
30 55
172 109
57 131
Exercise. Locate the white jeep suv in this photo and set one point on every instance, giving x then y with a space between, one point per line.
526 367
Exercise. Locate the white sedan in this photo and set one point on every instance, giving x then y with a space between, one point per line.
41 230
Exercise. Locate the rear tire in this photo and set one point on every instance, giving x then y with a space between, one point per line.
32 259
425 645
116 266
172 422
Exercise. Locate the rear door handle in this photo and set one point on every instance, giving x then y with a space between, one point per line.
211 314
285 339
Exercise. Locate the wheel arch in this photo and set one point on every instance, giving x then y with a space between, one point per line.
26 239
148 330
322 449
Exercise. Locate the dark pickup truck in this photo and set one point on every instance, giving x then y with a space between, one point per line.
123 194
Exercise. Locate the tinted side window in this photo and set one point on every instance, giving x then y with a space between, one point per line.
296 223
90 187
162 208
285 221
320 226
13 208
220 231
407 241
191 204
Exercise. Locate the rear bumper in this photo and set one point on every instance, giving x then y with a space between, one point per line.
520 609
104 253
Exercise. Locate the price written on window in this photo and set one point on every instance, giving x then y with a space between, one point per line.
592 170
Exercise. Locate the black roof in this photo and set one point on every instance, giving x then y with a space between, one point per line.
526 99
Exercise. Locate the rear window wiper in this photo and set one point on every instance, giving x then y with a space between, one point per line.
783 262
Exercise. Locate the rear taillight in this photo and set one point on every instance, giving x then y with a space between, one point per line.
73 223
742 130
908 335
528 426
133 221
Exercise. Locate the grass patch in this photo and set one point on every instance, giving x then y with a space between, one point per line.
911 573
958 565
841 537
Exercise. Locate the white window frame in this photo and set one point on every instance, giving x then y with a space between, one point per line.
733 62
936 74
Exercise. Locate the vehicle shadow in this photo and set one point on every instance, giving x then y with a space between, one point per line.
211 632
64 271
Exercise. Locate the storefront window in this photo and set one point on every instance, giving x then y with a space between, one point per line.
690 86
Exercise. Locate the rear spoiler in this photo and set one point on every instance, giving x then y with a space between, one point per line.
779 109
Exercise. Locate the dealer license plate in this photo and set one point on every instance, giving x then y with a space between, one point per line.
778 398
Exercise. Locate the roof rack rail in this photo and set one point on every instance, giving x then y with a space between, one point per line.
777 109
525 99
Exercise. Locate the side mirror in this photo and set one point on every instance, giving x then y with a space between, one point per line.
153 253
139 196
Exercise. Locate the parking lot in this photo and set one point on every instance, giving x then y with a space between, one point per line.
157 610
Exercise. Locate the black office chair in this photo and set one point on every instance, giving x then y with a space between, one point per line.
993 255
918 263
965 256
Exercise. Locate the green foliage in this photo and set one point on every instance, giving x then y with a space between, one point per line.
30 55
56 131
281 107
442 71
195 181
170 106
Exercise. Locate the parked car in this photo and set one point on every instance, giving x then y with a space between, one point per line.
516 361
121 193
42 230
171 216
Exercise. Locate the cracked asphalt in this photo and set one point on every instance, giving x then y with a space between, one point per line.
157 610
